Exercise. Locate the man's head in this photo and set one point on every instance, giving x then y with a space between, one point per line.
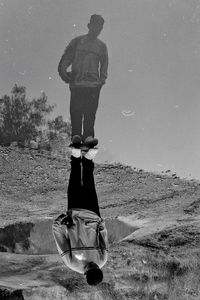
95 25
93 273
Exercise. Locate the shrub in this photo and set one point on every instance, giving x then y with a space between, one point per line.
20 119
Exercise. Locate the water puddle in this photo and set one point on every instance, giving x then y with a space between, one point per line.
37 238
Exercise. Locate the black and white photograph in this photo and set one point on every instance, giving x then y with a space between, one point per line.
100 149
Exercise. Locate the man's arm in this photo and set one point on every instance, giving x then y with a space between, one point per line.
103 235
104 64
60 235
66 60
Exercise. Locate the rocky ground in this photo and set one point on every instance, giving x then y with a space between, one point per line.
153 223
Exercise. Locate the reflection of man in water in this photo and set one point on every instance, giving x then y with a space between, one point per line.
88 57
80 234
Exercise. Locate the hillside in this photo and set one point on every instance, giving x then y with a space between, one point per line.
153 223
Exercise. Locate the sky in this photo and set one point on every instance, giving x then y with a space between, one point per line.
148 115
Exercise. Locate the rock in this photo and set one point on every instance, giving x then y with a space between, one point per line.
34 144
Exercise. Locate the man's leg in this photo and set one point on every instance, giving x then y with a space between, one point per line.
74 186
76 111
89 191
90 108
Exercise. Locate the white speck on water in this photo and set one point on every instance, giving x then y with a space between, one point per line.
159 165
30 10
22 73
128 113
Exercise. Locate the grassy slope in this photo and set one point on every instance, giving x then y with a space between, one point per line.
34 184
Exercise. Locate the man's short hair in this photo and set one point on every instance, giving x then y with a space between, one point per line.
96 19
94 275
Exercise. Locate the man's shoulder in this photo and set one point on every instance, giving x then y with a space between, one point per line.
77 38
80 37
102 43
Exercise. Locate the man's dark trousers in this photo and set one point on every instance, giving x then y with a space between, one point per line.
83 106
81 188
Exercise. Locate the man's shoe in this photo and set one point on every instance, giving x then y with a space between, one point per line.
76 142
90 154
90 142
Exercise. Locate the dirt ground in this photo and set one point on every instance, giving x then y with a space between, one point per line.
158 259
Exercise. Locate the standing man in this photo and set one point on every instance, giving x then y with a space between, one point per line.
88 57
80 234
